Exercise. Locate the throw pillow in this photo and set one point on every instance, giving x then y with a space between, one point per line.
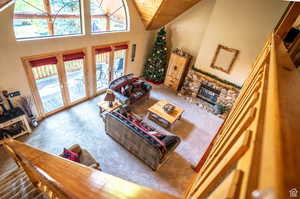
157 134
123 92
137 83
70 155
128 89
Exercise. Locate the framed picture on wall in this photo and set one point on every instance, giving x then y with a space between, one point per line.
224 58
5 3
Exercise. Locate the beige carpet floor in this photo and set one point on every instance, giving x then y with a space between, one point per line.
82 125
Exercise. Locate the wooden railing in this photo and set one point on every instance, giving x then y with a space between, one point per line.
258 141
63 179
51 70
44 71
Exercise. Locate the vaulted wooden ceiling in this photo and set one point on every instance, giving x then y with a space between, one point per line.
157 13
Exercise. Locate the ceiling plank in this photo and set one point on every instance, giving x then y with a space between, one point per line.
5 4
147 9
168 11
157 13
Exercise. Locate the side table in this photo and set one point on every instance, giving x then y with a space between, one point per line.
22 119
105 108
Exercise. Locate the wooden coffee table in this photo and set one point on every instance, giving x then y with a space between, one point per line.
157 114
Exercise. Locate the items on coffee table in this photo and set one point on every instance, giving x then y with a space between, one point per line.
109 97
168 108
158 114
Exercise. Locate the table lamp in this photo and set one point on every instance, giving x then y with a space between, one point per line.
109 97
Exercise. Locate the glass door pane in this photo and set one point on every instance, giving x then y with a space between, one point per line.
119 63
102 70
75 79
48 85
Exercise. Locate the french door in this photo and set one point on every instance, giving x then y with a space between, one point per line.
109 64
57 81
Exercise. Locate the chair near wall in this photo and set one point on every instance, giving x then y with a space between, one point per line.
120 68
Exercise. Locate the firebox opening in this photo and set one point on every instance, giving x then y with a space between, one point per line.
208 94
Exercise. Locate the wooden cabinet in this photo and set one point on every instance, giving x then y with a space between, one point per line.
177 70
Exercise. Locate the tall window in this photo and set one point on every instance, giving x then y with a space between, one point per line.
108 16
57 81
46 18
103 57
110 63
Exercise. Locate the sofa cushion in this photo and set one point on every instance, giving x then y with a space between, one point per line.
137 83
128 90
70 155
118 83
124 83
122 91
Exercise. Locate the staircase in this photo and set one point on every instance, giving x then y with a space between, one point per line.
15 184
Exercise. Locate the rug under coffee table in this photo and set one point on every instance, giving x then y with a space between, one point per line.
157 114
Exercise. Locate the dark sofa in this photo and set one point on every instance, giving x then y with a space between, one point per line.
129 89
145 142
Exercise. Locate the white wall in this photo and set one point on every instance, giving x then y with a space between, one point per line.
12 74
187 30
243 25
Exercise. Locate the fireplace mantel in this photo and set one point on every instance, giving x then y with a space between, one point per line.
224 85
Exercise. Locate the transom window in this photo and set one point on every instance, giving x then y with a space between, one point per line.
46 18
108 16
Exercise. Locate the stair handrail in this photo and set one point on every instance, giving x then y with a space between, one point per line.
63 179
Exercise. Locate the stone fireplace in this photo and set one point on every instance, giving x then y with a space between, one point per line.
208 92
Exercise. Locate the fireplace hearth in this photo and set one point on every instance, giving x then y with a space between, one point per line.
208 94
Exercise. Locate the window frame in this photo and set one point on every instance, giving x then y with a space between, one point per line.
62 80
111 63
81 18
125 7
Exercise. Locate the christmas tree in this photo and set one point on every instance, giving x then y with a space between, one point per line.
155 66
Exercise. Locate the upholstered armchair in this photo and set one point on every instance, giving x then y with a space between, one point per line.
85 157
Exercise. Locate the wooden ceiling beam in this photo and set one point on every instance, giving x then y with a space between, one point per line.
157 13
147 9
168 11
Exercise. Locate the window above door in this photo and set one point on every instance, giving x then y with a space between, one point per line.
35 19
108 16
47 18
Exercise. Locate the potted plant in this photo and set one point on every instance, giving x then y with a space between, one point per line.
220 109
26 103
